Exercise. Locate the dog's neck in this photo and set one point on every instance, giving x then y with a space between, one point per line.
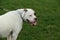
21 13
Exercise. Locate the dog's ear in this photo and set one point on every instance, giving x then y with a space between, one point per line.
25 10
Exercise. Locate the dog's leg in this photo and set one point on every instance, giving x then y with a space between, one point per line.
15 33
9 37
12 36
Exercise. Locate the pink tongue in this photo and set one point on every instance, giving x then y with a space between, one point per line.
34 23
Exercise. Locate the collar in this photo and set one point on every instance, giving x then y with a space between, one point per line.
22 15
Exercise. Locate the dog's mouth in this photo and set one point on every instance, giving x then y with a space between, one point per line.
33 23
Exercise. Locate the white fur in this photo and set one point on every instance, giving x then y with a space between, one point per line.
12 22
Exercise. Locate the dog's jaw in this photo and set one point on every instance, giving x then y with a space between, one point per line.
33 23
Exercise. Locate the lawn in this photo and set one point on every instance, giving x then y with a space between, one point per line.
48 14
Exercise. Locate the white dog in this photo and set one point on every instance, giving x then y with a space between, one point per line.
12 21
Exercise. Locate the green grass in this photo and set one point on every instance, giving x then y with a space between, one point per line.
48 14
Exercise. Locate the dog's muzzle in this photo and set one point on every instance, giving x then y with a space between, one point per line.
33 22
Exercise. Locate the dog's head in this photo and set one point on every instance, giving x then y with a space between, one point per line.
29 15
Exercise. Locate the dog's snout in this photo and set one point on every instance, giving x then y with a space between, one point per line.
35 18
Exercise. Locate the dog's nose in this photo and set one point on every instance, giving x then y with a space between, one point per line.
36 19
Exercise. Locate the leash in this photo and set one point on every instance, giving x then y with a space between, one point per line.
3 9
22 15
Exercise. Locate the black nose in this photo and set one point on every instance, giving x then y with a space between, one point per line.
36 19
